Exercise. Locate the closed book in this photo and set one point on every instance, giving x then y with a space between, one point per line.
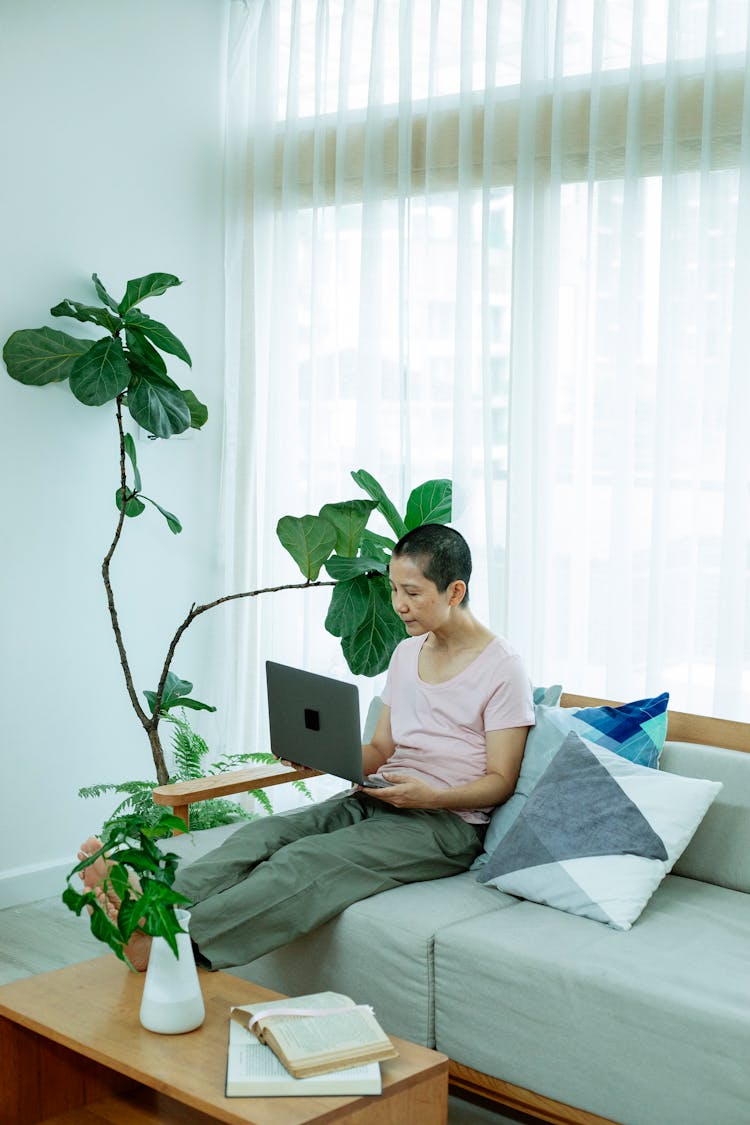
254 1071
316 1034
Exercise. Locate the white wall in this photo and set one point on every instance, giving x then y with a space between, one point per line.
111 138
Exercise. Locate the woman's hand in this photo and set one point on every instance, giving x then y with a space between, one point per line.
405 793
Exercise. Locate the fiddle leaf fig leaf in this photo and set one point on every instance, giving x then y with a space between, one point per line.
157 404
369 649
368 483
431 502
349 518
195 704
139 368
176 694
198 412
93 314
100 374
309 540
103 295
130 451
378 545
343 569
152 285
37 356
349 605
158 334
175 688
133 505
173 523
146 352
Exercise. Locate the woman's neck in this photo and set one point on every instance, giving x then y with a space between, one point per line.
446 653
462 633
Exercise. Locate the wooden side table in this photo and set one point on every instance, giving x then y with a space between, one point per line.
74 1053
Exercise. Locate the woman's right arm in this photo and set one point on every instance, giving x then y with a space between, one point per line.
381 747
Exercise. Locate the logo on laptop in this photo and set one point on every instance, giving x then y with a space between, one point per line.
312 719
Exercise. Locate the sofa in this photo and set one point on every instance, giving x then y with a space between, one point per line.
542 1009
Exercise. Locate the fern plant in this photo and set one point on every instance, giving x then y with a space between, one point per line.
190 752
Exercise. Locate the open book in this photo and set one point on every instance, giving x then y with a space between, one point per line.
254 1071
318 1033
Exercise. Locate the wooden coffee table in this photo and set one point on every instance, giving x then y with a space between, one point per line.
73 1052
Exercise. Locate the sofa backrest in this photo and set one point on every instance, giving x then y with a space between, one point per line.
720 849
719 852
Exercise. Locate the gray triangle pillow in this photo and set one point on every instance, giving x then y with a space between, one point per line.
633 730
597 834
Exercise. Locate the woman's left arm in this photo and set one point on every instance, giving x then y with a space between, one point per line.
504 755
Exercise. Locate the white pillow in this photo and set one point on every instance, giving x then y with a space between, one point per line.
598 834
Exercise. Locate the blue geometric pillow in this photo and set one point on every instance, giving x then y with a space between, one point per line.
635 731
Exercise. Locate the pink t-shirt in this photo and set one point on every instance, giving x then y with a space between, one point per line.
439 729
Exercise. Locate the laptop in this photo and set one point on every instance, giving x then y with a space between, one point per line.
314 722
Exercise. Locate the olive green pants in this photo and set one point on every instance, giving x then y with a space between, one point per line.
281 876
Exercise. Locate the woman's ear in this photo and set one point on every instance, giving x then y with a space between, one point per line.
456 592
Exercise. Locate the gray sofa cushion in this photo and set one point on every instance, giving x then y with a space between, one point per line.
380 951
618 1024
720 850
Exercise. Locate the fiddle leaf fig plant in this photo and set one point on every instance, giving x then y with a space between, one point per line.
175 694
126 369
126 362
357 560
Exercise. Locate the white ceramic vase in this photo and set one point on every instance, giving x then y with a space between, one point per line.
172 999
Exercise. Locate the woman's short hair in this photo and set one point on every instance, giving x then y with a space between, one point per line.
442 551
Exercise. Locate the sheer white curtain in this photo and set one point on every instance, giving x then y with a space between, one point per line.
507 243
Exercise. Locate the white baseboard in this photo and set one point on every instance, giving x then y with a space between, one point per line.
21 885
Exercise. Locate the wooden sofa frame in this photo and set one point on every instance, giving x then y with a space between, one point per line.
682 727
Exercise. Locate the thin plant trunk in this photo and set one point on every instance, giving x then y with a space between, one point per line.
150 723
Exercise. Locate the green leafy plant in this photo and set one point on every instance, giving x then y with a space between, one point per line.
140 879
357 559
126 368
191 757
126 363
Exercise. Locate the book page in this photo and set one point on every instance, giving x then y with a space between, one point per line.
313 1000
254 1060
253 1066
314 1035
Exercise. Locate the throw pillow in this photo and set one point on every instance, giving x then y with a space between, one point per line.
598 834
544 697
635 731
548 696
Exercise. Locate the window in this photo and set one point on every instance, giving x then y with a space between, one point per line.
505 243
